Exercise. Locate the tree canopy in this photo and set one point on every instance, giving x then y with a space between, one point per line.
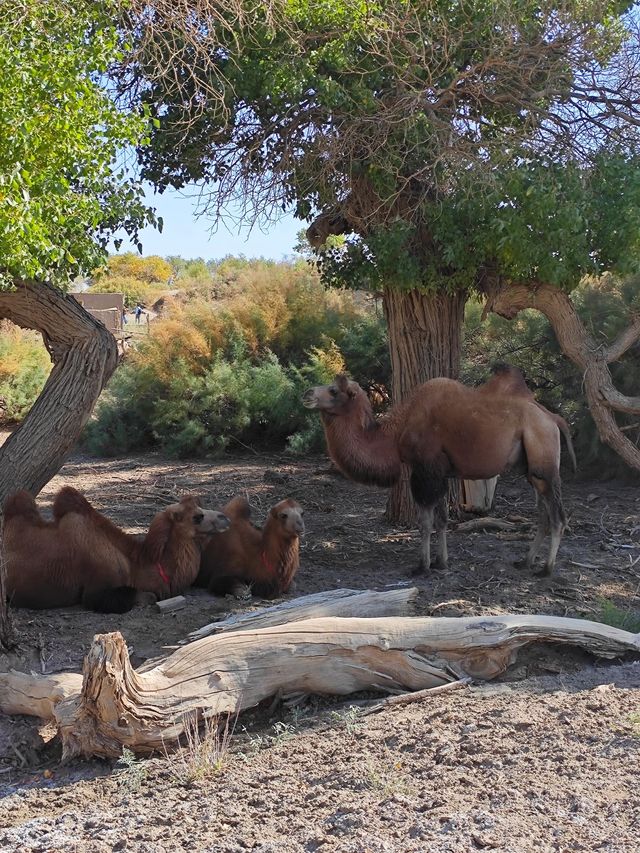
63 140
378 120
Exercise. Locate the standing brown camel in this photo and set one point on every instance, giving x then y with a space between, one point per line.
265 560
445 429
83 558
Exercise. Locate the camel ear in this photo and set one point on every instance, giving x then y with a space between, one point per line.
176 514
343 383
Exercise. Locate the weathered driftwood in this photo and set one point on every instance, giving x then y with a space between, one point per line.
169 605
334 602
476 524
146 711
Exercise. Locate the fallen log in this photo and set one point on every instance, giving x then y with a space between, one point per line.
149 710
334 602
230 672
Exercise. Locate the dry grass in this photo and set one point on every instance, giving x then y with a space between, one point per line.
205 750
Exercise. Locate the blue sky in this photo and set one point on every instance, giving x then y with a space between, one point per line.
190 236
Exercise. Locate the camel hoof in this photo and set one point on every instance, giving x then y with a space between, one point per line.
544 572
145 599
418 570
440 565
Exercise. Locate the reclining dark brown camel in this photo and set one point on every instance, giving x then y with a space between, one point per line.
83 558
445 429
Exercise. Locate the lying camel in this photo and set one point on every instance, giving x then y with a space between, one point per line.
265 560
83 558
507 379
445 429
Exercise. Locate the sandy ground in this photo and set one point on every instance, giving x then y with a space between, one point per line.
547 759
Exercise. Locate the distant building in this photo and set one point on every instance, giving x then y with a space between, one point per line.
105 307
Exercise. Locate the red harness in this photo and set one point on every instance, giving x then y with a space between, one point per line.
266 563
163 574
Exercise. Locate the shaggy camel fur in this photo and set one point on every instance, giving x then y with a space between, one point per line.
507 379
266 560
445 429
83 558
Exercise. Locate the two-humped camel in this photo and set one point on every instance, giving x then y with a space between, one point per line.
442 430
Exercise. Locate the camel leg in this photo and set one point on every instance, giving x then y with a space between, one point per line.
441 519
541 532
426 527
557 523
429 490
550 503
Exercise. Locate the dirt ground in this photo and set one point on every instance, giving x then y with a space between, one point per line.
546 759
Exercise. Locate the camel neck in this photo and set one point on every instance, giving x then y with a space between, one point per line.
363 448
279 555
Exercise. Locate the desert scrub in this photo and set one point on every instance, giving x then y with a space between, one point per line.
24 368
205 751
231 372
626 619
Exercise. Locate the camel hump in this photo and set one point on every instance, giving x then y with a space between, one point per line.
237 508
506 379
69 500
20 504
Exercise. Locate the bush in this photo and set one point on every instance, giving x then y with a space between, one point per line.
24 368
134 291
232 372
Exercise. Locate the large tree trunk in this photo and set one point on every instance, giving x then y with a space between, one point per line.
84 355
578 345
425 340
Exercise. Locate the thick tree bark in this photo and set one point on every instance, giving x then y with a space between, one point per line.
84 355
425 340
578 345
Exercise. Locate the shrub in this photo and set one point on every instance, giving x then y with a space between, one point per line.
232 371
24 368
134 291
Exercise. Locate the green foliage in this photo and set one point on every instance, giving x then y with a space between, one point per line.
24 368
442 137
140 279
61 135
231 373
626 620
134 291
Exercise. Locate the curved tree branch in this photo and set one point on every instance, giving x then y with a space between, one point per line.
577 344
84 355
626 340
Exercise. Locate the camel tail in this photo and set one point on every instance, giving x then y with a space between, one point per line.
119 599
563 426
69 500
20 505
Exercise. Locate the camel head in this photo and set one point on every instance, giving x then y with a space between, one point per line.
334 399
289 514
203 522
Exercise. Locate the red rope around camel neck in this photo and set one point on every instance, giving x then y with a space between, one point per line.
163 573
